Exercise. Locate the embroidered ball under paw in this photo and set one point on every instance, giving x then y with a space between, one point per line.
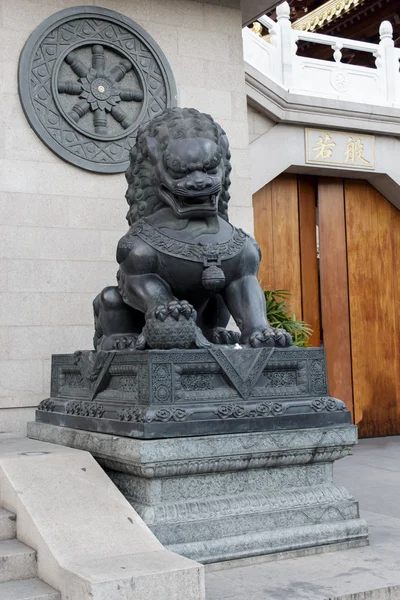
170 333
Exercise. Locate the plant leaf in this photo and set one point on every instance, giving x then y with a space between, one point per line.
280 316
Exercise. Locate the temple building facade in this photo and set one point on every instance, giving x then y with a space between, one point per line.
326 208
144 433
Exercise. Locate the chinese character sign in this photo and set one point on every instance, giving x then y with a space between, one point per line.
340 148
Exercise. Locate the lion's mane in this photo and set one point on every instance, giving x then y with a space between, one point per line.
172 123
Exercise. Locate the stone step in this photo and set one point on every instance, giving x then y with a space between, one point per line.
28 589
7 525
17 561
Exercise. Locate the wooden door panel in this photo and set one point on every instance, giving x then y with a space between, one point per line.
395 235
262 208
308 255
276 229
285 224
357 293
334 288
373 227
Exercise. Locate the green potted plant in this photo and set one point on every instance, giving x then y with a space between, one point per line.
280 316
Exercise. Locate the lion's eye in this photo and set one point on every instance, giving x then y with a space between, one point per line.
212 172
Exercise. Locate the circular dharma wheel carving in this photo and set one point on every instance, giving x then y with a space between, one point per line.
88 78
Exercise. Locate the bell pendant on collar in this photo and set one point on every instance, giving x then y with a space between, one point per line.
213 278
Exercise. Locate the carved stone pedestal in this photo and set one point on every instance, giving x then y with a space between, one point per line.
227 453
221 497
168 393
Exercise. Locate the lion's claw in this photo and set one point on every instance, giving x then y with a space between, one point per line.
125 343
282 338
174 309
141 342
171 325
270 337
161 313
118 342
224 336
187 309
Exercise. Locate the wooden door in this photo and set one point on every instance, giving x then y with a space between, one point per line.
285 228
373 255
276 226
354 285
334 289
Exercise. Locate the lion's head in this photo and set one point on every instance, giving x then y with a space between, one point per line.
181 158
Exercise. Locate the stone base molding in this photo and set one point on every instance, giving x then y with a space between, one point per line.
232 496
168 393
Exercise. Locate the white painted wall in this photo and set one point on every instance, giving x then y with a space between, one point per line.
59 225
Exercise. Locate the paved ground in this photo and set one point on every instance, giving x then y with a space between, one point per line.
372 474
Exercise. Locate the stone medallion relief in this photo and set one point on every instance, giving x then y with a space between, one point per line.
88 78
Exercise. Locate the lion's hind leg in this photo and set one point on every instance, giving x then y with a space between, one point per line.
117 325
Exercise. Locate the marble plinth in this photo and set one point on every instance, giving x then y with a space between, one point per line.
223 497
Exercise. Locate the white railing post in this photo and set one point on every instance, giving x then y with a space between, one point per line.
337 48
288 46
276 57
389 59
275 41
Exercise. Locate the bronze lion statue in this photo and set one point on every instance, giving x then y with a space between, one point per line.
183 268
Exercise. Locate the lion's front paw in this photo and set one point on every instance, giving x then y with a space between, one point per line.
174 309
224 336
172 325
271 337
117 342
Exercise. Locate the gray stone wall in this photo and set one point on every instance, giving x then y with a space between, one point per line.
60 224
258 124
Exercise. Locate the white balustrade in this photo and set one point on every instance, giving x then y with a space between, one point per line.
276 58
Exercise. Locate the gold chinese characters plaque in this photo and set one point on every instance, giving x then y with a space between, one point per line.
340 148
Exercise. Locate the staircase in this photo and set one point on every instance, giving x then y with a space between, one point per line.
18 566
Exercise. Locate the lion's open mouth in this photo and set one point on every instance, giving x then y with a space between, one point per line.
198 200
195 204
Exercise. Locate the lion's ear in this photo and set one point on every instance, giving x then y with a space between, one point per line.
153 149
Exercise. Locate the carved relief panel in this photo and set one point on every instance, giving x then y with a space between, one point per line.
88 78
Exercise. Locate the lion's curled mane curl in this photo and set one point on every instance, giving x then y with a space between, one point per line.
173 123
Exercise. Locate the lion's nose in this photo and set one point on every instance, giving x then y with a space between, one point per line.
198 183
